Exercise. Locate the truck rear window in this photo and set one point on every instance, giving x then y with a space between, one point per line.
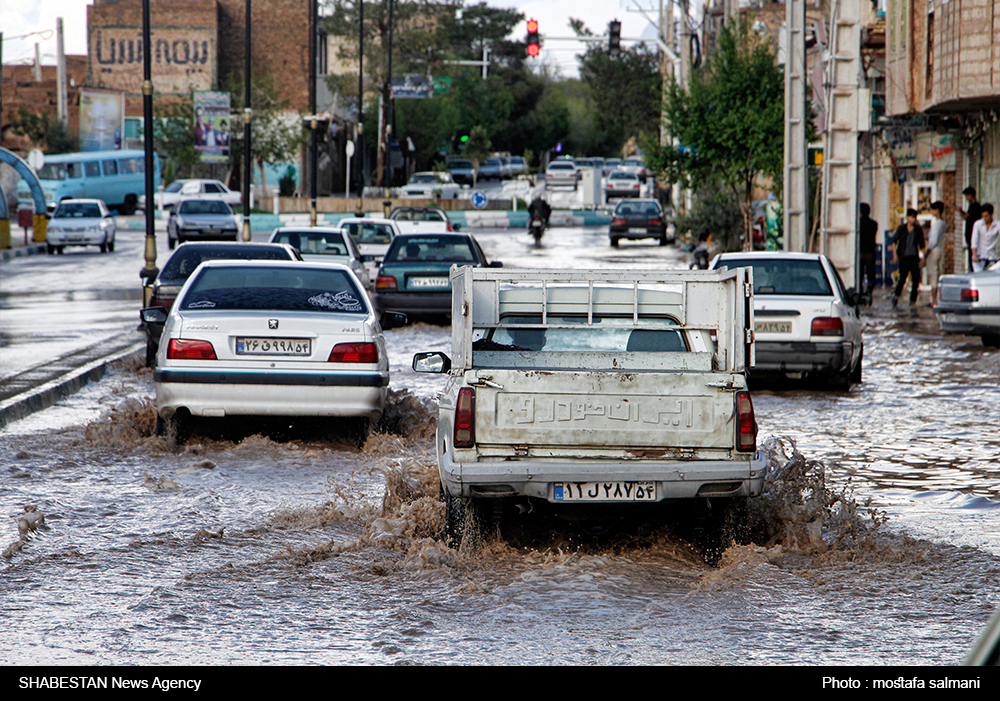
573 334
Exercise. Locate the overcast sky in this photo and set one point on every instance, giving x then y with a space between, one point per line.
22 17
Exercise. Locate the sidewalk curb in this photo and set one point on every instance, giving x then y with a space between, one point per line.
44 396
30 250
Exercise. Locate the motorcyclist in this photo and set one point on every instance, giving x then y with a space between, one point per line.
540 208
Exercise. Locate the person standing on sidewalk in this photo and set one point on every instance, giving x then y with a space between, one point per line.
867 234
907 246
971 216
933 256
985 234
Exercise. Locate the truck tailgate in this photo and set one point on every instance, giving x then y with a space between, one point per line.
585 413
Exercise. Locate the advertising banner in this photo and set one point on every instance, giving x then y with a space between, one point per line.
212 126
102 119
935 152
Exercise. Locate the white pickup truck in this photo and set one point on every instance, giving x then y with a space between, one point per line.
580 391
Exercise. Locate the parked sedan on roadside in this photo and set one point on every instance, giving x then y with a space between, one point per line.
201 219
185 260
806 323
323 244
81 223
432 184
271 338
635 165
561 173
194 189
622 184
638 219
414 277
969 303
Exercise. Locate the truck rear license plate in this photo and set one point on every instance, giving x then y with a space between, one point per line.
604 491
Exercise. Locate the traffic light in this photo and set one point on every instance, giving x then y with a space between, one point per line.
614 36
533 39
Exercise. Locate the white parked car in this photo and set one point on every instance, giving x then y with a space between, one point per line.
324 245
372 236
806 323
561 173
270 338
969 303
432 184
194 189
634 165
81 223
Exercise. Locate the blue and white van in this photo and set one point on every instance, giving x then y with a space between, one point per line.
117 177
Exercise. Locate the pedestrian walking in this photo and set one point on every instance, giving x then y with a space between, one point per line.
971 215
906 249
867 233
985 235
933 256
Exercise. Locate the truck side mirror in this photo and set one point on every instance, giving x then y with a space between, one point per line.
435 362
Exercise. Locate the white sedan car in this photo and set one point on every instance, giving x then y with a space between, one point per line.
81 223
271 338
970 304
432 184
194 189
324 244
806 323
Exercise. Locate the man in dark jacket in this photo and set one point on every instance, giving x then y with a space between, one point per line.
971 215
907 246
867 234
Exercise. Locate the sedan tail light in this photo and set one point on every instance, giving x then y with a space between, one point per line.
465 418
385 282
618 222
970 295
354 353
746 424
654 222
827 326
184 349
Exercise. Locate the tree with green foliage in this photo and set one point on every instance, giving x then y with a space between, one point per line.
625 90
52 136
173 135
477 148
728 124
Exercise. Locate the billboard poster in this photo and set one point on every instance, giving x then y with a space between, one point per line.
102 119
212 126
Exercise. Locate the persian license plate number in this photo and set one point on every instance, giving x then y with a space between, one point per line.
424 282
211 232
605 491
273 346
772 327
636 230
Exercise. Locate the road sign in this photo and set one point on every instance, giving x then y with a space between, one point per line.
479 199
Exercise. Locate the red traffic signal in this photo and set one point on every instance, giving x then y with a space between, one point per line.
533 39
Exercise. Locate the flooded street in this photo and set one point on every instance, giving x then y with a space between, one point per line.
282 546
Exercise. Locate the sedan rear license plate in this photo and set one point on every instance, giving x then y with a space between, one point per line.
428 282
772 327
605 491
636 230
273 346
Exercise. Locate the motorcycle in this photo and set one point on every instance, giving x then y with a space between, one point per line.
537 228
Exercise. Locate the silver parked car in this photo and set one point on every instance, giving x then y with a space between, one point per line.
81 223
201 220
969 303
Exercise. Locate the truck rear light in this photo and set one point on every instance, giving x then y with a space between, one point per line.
827 326
385 282
970 295
746 424
448 225
354 353
465 418
184 349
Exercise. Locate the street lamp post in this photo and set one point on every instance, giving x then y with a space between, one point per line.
247 117
150 271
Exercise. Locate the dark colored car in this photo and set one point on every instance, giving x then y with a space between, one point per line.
201 219
414 277
185 260
638 219
462 171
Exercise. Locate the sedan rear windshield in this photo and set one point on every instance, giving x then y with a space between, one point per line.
777 276
645 209
450 249
313 242
204 207
187 258
369 233
279 289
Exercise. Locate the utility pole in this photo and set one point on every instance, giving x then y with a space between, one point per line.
150 272
359 131
247 119
313 22
796 171
62 99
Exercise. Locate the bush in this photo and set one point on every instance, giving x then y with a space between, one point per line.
287 183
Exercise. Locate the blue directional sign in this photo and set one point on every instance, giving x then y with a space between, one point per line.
479 199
